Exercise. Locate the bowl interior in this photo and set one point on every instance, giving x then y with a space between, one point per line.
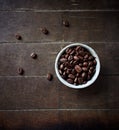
88 82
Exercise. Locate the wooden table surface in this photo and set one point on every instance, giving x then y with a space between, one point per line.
31 101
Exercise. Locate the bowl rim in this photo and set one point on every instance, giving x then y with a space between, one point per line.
92 51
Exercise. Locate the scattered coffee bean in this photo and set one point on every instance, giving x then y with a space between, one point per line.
66 23
18 37
33 55
20 71
44 30
49 76
77 65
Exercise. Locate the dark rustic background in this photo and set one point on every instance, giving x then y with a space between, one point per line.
31 102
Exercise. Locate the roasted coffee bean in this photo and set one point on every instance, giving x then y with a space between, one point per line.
78 48
86 56
71 62
89 77
73 71
84 82
70 58
72 52
44 30
90 72
66 23
63 60
76 80
68 71
80 58
81 53
20 71
84 75
92 68
49 76
68 51
80 64
85 69
18 37
61 66
90 63
85 64
76 65
71 76
33 55
64 73
60 72
65 68
94 62
76 58
77 75
80 80
63 56
78 68
66 56
70 81
91 58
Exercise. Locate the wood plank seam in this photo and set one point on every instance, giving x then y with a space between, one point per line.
55 11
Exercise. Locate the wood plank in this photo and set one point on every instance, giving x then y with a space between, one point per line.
27 93
92 26
28 25
84 26
90 119
28 120
13 56
103 94
53 120
57 5
34 93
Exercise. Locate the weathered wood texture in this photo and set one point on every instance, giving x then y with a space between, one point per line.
13 56
31 101
63 120
58 4
35 93
84 26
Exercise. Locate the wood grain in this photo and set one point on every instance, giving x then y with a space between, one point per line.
33 120
84 26
90 119
34 93
103 94
13 56
28 93
58 5
91 26
53 120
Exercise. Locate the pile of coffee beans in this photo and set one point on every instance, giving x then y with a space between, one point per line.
77 65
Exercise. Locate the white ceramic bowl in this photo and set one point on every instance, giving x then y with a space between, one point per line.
88 82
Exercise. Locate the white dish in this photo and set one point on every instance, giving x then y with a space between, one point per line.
88 82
